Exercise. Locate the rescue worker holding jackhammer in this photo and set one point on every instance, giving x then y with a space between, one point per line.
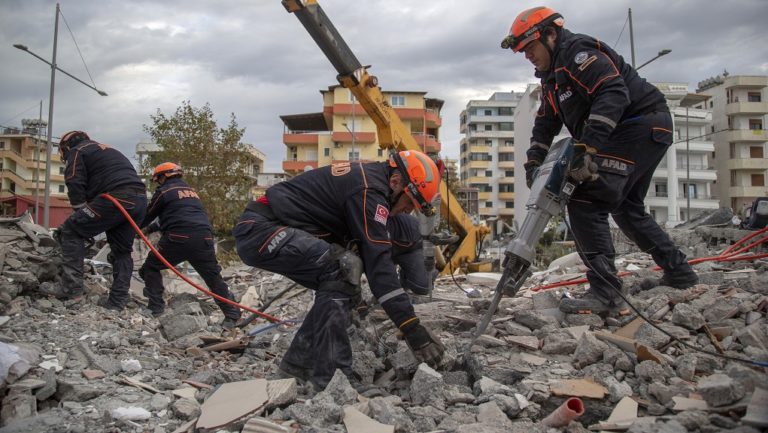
296 230
187 236
92 169
622 129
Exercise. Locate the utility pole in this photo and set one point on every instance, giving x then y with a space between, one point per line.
37 164
49 145
631 38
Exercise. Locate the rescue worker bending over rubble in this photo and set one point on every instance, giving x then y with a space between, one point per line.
187 236
93 169
622 128
296 230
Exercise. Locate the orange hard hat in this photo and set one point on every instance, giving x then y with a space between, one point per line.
167 170
528 27
423 177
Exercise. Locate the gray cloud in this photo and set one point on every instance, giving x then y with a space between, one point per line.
253 59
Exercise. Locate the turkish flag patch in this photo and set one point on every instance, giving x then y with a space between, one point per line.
381 214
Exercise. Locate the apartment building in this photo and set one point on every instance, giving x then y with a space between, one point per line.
22 174
739 105
344 132
684 183
488 157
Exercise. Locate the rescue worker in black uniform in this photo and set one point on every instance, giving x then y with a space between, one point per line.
296 230
186 236
622 127
91 169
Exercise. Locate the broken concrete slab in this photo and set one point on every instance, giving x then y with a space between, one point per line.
357 422
233 401
578 388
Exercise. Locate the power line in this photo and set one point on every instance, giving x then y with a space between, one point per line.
77 47
622 31
19 114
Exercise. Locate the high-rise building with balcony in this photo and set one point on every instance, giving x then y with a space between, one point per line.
683 184
739 106
22 174
343 131
488 156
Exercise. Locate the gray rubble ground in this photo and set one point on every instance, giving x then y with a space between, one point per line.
77 361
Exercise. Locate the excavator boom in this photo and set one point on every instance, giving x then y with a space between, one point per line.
392 133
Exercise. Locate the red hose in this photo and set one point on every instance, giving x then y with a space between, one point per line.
730 254
176 271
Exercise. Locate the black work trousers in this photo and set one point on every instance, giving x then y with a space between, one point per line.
626 165
198 250
321 344
99 216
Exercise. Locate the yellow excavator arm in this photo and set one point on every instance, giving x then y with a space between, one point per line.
392 133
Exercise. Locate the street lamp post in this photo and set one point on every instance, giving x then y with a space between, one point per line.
663 52
49 146
351 131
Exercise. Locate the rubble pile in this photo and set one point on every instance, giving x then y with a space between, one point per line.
81 368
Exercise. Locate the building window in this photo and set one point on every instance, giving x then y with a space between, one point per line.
509 142
754 97
506 156
509 173
380 152
489 142
397 100
61 171
711 104
488 113
509 204
506 188
758 180
2 144
755 124
61 189
689 190
489 204
756 152
505 111
488 173
489 127
661 190
354 156
327 151
506 126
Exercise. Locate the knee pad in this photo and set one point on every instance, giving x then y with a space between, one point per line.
350 264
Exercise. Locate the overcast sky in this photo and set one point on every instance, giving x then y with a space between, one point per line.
253 59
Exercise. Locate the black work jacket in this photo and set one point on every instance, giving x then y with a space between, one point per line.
93 168
178 208
590 89
344 202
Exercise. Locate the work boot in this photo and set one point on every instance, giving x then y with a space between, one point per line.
230 322
677 280
287 370
148 312
592 304
58 291
104 302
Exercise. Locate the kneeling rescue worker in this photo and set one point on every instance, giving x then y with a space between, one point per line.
187 236
622 127
296 230
92 169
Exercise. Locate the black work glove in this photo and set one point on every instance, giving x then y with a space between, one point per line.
426 347
583 168
531 168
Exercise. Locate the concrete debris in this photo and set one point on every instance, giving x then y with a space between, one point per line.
77 367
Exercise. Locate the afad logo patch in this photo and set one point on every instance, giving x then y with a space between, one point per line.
382 213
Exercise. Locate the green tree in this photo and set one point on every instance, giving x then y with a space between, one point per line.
215 162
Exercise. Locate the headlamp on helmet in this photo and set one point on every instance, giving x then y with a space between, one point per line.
529 26
166 170
421 175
